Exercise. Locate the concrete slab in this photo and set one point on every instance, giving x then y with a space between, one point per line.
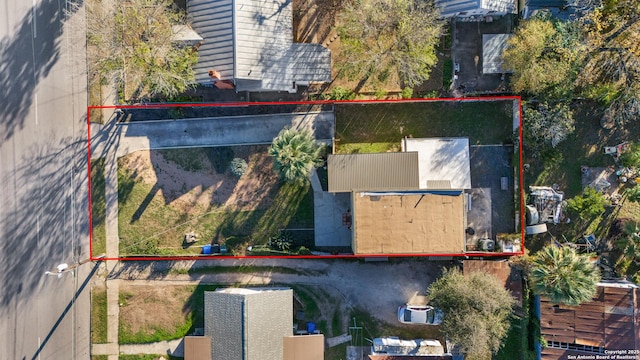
488 165
328 211
467 51
221 131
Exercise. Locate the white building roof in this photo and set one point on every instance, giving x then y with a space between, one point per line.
450 8
443 163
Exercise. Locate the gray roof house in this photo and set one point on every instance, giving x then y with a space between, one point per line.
248 324
250 42
466 8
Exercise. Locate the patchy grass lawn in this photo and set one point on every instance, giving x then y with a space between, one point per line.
484 122
99 319
163 195
98 207
95 95
151 314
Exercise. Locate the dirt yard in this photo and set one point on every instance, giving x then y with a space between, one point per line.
165 194
204 185
147 310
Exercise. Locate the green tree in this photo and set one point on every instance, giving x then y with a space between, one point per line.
476 311
613 65
589 204
131 41
545 56
563 275
546 124
629 243
631 157
381 36
295 153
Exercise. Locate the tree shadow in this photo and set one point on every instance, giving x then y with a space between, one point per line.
65 311
26 57
46 217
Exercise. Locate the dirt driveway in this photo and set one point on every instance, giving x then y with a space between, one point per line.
377 287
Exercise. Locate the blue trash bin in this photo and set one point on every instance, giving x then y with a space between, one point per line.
206 249
311 327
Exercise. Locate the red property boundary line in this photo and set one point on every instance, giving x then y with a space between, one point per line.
315 102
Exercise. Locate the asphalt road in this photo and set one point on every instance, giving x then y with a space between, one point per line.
43 182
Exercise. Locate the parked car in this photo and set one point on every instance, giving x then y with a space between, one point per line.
420 314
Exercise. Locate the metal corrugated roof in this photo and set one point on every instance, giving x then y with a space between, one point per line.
252 41
213 20
379 172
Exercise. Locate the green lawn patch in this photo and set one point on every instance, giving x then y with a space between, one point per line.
484 122
99 319
447 74
152 222
99 357
98 207
366 148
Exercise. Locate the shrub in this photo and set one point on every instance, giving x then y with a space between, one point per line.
339 93
591 203
281 241
633 194
238 167
304 251
407 93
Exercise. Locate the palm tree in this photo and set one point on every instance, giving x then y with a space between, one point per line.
295 153
563 275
